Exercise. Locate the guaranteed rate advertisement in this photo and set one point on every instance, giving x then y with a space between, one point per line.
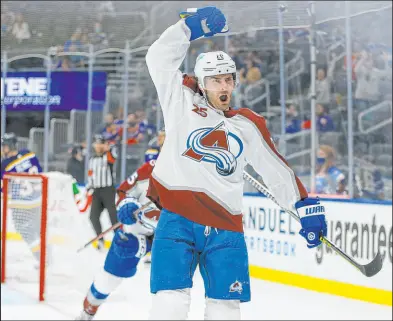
360 229
28 91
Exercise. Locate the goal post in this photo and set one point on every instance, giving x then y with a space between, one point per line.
43 181
41 228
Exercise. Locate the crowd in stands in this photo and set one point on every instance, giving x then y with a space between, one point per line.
13 26
139 131
15 29
138 127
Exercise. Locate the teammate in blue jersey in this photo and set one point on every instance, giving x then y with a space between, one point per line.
131 242
24 195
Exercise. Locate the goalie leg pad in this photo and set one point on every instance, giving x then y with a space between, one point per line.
124 254
222 309
170 305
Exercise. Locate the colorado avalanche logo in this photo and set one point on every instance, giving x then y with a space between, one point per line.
215 145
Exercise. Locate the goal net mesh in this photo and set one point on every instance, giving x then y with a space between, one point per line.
65 272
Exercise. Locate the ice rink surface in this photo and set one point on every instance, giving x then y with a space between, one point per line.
131 301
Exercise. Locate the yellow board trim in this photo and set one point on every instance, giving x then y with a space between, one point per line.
347 290
322 285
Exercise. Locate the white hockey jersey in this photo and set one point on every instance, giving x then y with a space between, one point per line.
199 172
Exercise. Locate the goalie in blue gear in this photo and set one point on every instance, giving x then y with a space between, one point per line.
130 243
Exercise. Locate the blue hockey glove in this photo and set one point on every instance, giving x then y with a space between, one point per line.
206 21
125 210
312 218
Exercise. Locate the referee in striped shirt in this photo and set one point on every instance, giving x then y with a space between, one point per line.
101 183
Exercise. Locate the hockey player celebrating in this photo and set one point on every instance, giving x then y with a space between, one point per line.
197 180
129 244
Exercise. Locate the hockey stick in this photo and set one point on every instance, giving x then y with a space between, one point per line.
368 270
114 227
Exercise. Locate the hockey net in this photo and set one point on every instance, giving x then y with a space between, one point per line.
41 230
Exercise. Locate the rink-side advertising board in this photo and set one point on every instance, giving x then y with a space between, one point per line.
278 253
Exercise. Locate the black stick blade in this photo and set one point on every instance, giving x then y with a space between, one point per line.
373 267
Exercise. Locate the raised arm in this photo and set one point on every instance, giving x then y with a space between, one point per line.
163 59
167 53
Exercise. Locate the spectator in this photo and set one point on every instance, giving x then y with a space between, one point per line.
250 73
254 57
20 29
329 179
98 37
322 88
368 78
144 126
85 41
109 119
233 52
293 121
75 165
75 40
324 121
74 44
108 129
66 64
134 135
119 118
7 20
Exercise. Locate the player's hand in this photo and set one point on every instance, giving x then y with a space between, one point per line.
125 210
312 218
206 21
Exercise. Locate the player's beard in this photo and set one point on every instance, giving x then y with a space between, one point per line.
216 100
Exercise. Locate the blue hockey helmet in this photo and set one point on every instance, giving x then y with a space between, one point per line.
151 154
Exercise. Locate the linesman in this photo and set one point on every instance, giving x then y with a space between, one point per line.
101 183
